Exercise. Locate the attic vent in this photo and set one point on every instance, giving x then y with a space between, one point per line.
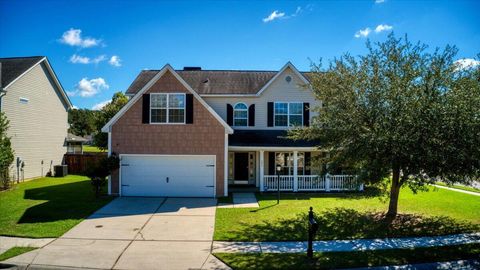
288 79
192 68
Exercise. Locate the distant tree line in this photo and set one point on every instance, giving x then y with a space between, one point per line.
84 122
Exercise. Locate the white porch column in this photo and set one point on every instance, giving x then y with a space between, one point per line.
295 171
262 168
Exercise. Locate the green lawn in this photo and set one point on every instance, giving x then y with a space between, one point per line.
351 215
459 187
333 260
91 148
15 251
47 207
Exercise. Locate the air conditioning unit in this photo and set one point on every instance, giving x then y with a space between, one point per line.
60 170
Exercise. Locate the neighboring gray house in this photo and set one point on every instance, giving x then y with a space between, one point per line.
37 106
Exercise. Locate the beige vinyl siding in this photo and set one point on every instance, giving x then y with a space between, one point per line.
278 90
39 127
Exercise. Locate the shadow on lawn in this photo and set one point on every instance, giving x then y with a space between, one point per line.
65 201
369 192
342 223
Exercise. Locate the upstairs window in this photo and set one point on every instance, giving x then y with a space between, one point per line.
240 115
167 108
288 114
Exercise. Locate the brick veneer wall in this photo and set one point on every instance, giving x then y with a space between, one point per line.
206 136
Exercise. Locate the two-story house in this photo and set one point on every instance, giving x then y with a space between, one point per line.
196 132
36 106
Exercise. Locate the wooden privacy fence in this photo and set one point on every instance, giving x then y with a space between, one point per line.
79 163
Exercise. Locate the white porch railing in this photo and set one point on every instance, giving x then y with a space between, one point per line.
312 183
271 181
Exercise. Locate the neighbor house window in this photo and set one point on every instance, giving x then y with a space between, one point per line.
288 114
240 115
167 108
284 160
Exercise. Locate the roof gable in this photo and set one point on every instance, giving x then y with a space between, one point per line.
14 68
149 84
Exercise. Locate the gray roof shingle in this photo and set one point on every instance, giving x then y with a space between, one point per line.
13 67
230 82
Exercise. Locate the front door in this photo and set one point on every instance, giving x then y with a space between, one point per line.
241 167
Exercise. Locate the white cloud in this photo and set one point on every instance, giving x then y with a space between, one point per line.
466 63
379 1
383 27
73 37
78 59
275 15
363 33
282 15
297 11
71 93
100 105
89 88
74 107
99 59
115 61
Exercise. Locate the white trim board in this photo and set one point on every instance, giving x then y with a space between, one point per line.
136 97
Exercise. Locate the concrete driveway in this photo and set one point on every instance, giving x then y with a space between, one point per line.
136 233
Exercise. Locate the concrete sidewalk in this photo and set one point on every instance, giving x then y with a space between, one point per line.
459 190
135 233
241 200
344 245
452 265
7 243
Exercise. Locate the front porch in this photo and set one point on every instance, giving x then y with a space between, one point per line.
289 169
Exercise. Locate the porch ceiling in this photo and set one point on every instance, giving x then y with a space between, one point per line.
266 138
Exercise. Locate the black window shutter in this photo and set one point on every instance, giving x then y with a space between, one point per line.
308 163
229 115
251 115
271 163
270 114
146 109
189 109
306 114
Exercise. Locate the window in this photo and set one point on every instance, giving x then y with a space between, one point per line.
167 108
285 161
240 115
288 114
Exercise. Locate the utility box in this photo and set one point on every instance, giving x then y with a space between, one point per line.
60 170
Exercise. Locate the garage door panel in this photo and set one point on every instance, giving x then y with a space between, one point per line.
188 176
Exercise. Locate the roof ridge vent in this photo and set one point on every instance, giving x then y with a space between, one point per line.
192 68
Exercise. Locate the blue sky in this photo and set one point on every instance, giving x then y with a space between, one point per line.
81 37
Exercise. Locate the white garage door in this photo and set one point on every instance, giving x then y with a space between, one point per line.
173 176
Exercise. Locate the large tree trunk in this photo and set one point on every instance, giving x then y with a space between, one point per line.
394 193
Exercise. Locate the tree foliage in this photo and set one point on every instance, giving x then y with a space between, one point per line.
82 121
104 115
6 152
98 172
400 110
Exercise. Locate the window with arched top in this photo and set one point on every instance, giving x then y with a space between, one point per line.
240 115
